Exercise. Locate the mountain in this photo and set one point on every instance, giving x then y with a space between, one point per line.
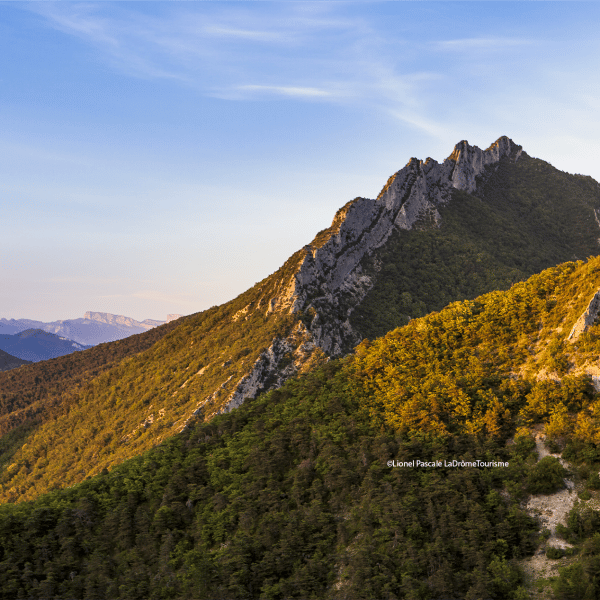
94 328
8 361
35 345
400 471
438 232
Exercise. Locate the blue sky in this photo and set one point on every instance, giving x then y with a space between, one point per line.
162 157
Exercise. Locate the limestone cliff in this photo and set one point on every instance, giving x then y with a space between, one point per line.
328 281
587 319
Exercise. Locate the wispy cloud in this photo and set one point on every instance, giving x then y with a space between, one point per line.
246 34
481 43
80 20
296 92
312 52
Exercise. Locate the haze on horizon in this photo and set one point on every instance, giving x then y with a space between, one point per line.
163 157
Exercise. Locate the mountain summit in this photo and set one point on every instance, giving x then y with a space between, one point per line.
331 274
438 232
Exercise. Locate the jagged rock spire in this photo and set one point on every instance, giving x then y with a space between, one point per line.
470 161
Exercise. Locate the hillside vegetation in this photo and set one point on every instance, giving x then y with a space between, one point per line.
291 495
72 417
36 393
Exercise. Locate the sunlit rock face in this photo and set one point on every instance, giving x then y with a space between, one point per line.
587 319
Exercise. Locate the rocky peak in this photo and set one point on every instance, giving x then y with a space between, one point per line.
329 277
470 161
328 281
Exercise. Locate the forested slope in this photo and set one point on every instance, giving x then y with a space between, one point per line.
99 407
292 495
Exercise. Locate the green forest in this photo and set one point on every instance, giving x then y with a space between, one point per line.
71 417
291 495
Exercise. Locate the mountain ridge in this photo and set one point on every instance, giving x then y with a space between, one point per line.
34 345
364 225
8 361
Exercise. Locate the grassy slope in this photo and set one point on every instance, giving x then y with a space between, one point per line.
82 421
528 217
290 495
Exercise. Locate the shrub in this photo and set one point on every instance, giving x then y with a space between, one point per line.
524 445
593 481
547 476
554 553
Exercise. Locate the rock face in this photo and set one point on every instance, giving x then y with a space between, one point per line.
587 319
328 282
276 364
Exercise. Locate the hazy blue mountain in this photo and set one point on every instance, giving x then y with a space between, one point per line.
8 361
36 344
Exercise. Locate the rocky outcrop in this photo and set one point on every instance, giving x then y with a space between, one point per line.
587 319
330 282
267 366
471 161
283 359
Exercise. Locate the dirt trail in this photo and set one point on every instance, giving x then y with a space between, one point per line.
551 509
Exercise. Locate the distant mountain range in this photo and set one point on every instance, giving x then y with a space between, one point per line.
94 328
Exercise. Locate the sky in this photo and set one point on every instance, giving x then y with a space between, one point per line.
162 157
